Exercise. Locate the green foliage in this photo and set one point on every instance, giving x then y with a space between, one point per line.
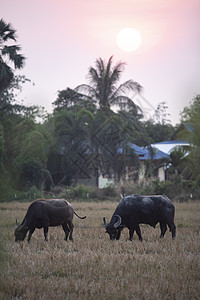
191 133
176 189
157 132
11 194
192 111
8 53
82 192
79 192
7 186
71 100
29 195
109 191
30 155
159 128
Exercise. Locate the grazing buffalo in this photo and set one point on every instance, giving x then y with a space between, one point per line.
44 213
137 209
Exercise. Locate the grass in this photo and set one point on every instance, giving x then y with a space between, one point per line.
93 267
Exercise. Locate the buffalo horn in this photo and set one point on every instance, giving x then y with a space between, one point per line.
21 227
116 224
104 221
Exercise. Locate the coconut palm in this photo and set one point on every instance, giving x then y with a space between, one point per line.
103 87
8 54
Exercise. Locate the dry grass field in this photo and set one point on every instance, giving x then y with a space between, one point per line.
93 267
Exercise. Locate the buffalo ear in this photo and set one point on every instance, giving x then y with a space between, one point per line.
104 221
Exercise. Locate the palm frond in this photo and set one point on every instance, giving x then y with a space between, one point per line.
123 89
93 77
88 91
6 31
116 73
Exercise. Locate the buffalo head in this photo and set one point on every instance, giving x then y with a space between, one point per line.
20 232
113 227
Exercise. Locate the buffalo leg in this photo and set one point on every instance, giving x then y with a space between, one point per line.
71 227
163 228
66 230
172 228
30 234
138 231
46 233
131 232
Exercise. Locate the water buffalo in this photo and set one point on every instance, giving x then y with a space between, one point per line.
137 209
44 213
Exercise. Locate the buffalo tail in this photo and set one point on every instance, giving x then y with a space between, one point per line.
79 216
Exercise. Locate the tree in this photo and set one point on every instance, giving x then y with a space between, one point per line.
159 128
192 111
161 114
191 115
103 87
30 154
8 53
12 114
72 136
8 96
157 132
71 100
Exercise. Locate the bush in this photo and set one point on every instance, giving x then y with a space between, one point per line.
179 190
13 195
80 193
109 191
86 193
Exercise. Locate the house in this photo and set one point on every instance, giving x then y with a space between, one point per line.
152 154
157 153
145 154
167 147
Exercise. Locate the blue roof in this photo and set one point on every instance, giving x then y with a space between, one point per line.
158 155
145 154
139 150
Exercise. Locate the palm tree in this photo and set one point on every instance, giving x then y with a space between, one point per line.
103 87
8 54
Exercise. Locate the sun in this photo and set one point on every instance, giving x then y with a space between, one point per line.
129 39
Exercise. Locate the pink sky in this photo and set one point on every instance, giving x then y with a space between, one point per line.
62 39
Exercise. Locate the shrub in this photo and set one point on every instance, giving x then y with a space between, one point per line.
109 191
82 192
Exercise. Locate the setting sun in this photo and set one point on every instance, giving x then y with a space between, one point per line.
129 39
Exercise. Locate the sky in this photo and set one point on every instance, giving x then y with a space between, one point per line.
61 39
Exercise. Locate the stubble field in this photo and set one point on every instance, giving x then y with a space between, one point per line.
93 267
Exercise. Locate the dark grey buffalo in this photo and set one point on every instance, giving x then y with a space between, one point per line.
44 213
137 209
